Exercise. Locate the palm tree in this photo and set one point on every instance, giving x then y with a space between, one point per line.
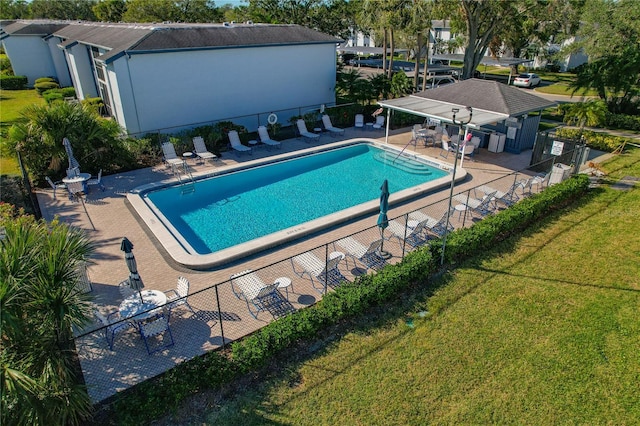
40 305
589 113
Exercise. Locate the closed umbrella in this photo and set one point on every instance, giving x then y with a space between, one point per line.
73 163
135 282
383 221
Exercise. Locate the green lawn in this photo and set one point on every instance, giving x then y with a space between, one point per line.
542 330
12 102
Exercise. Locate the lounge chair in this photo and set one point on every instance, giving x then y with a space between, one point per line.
359 123
307 135
234 140
325 273
248 286
265 139
379 122
55 185
368 256
170 156
326 120
508 198
480 207
414 236
201 151
97 181
539 180
435 226
83 284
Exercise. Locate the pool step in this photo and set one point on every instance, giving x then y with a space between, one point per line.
403 163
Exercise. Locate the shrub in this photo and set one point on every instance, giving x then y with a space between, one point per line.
13 82
44 86
5 66
622 121
45 80
52 95
595 140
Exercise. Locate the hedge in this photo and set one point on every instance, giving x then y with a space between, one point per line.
13 82
150 399
596 140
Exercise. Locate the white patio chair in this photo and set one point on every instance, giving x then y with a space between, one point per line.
414 236
201 151
326 121
97 182
113 325
307 135
55 185
170 156
369 256
263 134
481 207
325 273
248 286
359 122
156 329
178 297
236 144
379 122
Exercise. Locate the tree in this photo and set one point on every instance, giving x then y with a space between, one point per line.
40 306
69 9
110 10
590 113
14 9
610 36
96 141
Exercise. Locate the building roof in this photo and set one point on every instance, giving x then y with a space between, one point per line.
488 95
35 28
131 39
491 102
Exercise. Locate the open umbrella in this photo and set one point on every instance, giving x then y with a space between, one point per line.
383 221
135 282
73 163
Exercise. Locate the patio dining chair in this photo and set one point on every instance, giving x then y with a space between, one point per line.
97 181
55 185
379 123
177 297
359 122
156 330
113 325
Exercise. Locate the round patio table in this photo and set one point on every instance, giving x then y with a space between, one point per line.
132 306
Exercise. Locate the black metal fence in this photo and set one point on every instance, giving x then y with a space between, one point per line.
116 356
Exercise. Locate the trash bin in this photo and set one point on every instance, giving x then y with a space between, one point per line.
559 173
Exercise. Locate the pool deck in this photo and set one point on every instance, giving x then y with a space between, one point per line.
113 218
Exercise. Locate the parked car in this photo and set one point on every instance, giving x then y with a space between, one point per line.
528 79
439 81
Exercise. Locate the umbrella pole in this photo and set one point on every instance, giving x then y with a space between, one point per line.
384 254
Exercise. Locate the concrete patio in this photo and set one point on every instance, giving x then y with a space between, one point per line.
218 313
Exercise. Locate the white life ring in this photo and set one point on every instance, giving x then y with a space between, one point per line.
272 119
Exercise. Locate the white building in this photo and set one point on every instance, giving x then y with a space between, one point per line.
171 76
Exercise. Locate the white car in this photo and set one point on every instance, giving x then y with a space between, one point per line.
527 80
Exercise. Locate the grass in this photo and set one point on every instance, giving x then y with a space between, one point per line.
12 102
541 330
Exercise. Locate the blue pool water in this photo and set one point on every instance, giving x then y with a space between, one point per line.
238 207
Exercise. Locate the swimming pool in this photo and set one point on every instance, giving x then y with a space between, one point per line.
266 202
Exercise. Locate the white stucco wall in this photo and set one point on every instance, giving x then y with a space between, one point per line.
29 56
81 72
176 89
59 62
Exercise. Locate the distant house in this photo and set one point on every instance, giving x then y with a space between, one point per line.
170 76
